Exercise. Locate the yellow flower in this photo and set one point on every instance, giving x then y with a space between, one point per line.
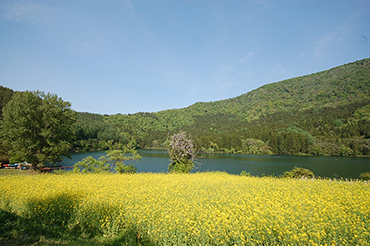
200 208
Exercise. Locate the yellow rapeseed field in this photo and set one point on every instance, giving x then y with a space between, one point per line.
197 209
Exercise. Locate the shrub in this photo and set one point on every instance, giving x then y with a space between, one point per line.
299 172
365 176
245 173
116 156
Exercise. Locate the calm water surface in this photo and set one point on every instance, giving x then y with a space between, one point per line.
158 161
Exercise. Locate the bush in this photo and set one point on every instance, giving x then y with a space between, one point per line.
245 173
299 172
365 176
115 158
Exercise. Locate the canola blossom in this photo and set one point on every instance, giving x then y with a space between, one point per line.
197 209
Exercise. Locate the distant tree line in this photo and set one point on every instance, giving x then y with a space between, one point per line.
93 133
340 131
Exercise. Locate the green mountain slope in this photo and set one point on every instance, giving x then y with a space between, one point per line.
326 113
331 88
315 110
338 86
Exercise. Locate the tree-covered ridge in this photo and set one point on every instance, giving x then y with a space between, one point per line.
338 86
322 113
330 88
326 113
93 133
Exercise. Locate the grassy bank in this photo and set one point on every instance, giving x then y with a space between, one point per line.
6 171
171 209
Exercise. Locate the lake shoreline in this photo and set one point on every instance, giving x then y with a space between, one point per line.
157 161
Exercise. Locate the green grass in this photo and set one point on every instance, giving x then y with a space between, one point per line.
16 230
6 171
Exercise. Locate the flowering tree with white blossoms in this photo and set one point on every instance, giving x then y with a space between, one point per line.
182 153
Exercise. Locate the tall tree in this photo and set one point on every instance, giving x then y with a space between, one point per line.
182 153
6 95
38 127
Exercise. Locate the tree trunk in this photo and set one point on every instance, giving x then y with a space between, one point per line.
33 167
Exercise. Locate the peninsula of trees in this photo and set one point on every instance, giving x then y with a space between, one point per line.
326 113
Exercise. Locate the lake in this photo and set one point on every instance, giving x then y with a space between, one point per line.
158 161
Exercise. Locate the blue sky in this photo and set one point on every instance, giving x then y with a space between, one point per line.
113 56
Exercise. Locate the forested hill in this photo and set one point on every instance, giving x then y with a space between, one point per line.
338 86
326 113
228 124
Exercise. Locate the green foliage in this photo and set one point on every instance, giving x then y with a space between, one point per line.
365 176
91 165
339 122
299 172
255 147
181 167
6 95
38 127
94 133
325 113
47 223
60 172
245 173
295 116
182 153
115 159
363 113
4 156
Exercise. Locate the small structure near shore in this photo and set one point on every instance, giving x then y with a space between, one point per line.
21 166
51 169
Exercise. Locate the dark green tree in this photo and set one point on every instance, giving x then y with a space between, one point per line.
37 127
6 95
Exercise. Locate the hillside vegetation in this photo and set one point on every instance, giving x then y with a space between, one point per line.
326 113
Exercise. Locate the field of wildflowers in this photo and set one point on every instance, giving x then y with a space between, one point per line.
195 209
